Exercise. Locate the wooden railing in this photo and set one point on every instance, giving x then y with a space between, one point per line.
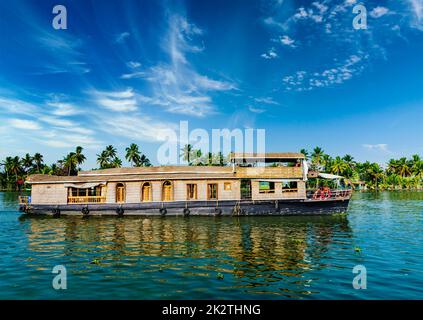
24 199
87 199
341 194
290 190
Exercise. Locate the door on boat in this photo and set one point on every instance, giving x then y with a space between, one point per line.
167 191
146 192
245 189
120 193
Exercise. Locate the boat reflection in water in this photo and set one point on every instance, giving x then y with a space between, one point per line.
176 257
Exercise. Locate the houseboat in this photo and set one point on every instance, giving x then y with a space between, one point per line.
253 184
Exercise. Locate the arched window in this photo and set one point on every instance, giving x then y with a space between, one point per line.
120 193
167 191
146 192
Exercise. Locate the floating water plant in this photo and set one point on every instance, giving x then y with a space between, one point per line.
95 261
220 276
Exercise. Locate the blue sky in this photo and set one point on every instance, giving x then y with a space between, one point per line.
125 70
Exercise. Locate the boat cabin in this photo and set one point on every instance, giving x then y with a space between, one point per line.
270 176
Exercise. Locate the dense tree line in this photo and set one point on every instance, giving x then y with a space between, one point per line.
398 174
15 169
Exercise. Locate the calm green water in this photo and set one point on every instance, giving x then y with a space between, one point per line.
180 258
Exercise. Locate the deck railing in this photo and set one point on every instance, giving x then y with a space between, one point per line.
24 199
338 194
87 199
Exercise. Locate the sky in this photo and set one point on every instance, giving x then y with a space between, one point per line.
124 71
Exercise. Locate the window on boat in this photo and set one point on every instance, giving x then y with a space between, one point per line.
86 195
120 193
212 191
86 192
191 191
289 186
266 187
167 191
227 186
146 194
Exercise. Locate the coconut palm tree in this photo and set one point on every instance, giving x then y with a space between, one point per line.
133 155
70 162
116 163
27 162
317 157
38 159
15 166
305 153
144 161
187 153
79 157
103 159
403 167
338 166
111 152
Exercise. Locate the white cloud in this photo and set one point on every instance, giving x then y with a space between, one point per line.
133 64
271 54
120 38
256 110
287 41
417 12
267 100
24 124
377 147
133 75
379 12
120 101
63 109
178 86
137 127
305 81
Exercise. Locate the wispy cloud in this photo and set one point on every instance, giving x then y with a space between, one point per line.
266 100
178 86
270 54
381 147
305 81
24 124
121 37
379 12
119 101
287 41
256 110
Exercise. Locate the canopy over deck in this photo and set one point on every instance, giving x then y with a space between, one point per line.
330 176
265 157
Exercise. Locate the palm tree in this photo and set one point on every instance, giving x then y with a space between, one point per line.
133 155
392 166
111 152
38 158
375 172
317 156
27 162
305 153
79 157
15 166
70 162
338 166
197 154
403 167
144 161
116 163
103 159
186 153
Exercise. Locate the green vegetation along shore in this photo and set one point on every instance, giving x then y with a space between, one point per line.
397 174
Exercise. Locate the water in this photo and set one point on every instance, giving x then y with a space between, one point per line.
184 258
